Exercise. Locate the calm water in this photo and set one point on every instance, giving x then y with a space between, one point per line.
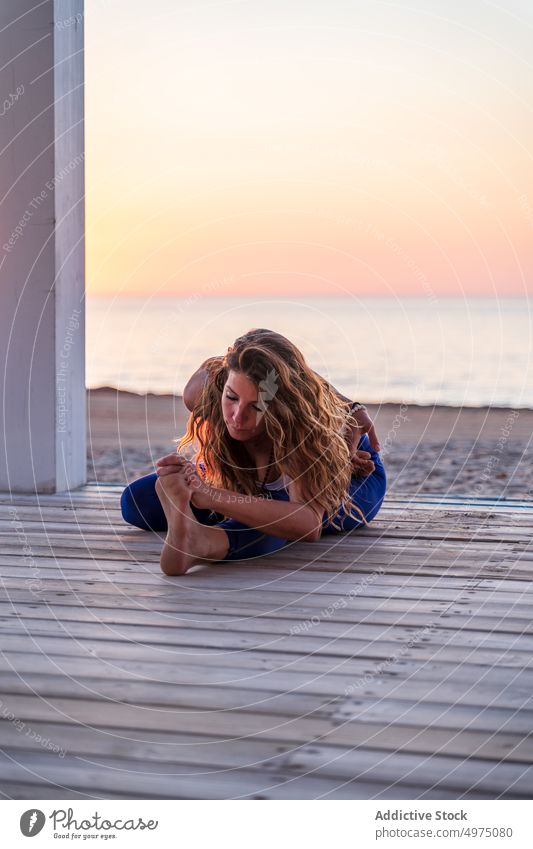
461 352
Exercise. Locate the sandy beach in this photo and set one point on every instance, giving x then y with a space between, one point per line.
468 450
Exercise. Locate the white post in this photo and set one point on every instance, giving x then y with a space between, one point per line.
42 254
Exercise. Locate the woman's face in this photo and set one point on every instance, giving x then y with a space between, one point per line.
242 413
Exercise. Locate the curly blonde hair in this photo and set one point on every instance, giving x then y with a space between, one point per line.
304 418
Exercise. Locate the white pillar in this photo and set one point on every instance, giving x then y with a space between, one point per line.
42 255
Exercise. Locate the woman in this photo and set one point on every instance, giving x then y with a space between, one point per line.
280 456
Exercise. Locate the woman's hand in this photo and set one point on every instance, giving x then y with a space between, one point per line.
362 463
172 464
172 486
363 424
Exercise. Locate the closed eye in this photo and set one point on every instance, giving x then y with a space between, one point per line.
234 398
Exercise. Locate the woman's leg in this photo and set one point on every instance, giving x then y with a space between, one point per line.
367 493
246 543
187 542
141 506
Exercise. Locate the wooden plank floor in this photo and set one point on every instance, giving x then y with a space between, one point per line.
392 663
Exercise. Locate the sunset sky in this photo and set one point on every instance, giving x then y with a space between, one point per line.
302 147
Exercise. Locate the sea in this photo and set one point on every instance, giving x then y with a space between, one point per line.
459 352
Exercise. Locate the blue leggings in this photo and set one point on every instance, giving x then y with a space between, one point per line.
141 507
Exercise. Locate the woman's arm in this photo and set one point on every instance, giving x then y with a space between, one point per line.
293 519
287 519
364 424
193 389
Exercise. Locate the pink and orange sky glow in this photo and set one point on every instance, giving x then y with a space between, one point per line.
306 148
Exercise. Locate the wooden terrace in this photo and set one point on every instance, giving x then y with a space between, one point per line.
392 663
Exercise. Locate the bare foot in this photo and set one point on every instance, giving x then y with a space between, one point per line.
187 541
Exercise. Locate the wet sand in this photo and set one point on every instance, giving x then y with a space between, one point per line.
470 450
